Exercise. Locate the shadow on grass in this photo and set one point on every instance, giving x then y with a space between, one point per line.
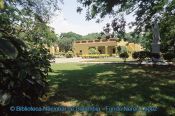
113 85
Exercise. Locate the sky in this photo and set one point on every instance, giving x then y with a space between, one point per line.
67 19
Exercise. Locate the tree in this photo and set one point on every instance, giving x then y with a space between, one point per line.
71 35
115 29
124 56
145 11
24 60
169 56
65 44
141 39
27 19
121 49
141 56
118 25
66 40
91 36
167 31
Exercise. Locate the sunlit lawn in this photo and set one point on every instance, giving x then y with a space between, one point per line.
113 85
108 60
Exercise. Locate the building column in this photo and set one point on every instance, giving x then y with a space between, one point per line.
96 47
106 49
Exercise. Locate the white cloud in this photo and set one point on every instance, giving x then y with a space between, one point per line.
61 24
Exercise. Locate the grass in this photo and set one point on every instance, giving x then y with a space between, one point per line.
112 85
109 60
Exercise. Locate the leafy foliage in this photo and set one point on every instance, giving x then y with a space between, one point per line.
71 35
24 62
95 56
66 40
93 51
118 28
60 54
145 12
24 16
65 44
167 31
41 34
91 36
169 56
141 55
124 56
121 49
23 79
69 54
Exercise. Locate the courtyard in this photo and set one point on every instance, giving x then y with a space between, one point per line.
87 58
101 85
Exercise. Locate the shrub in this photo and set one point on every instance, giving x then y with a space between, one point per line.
135 55
124 56
93 51
124 49
69 54
141 55
61 53
95 56
121 49
23 76
118 49
169 56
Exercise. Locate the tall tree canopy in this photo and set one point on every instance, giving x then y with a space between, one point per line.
24 62
145 11
66 39
91 36
27 17
71 35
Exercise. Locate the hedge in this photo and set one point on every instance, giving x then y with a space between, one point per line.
95 55
169 56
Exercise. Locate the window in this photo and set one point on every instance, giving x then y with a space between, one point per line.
80 52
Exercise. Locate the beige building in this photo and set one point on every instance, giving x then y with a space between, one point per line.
103 46
53 49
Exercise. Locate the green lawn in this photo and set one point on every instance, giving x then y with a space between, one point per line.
109 60
112 85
